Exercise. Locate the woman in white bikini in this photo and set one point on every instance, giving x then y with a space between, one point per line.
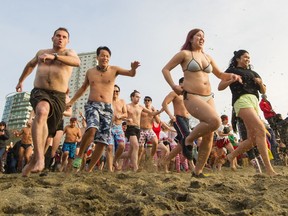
198 97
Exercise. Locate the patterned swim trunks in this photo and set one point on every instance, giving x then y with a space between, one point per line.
99 116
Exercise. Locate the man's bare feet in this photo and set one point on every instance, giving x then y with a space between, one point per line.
33 167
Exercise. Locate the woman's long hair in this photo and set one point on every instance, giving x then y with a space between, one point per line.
187 45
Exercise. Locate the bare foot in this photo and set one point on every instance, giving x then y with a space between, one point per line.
61 169
232 162
165 163
166 170
136 169
33 167
116 167
272 173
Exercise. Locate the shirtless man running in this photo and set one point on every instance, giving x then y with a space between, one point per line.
98 108
134 110
180 119
117 139
48 96
26 147
146 131
72 136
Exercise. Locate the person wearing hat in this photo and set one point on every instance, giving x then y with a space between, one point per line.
4 136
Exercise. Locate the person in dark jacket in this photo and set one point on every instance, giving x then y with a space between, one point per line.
12 158
282 127
4 136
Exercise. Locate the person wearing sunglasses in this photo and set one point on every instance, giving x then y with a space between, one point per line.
117 138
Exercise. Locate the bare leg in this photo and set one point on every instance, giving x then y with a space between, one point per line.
109 157
164 152
233 164
154 146
256 134
99 148
87 139
69 165
125 156
28 154
56 142
203 153
209 122
134 145
206 114
118 153
39 136
64 161
20 159
172 154
242 147
140 154
84 161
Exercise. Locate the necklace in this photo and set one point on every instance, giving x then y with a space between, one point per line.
101 69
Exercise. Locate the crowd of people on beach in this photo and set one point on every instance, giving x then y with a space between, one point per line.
117 136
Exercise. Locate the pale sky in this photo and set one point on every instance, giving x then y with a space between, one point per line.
150 31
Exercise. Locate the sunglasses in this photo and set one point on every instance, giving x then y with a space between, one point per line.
147 100
116 91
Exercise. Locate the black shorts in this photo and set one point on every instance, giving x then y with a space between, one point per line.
132 131
57 106
26 146
60 126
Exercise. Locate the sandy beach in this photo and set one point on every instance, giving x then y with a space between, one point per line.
126 193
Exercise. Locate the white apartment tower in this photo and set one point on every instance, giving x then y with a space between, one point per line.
88 60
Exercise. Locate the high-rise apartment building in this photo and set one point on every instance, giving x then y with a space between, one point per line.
17 110
88 60
17 107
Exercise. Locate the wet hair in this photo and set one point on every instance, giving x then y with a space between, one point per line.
73 119
133 93
237 54
181 80
2 123
103 48
187 45
147 97
117 86
62 29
